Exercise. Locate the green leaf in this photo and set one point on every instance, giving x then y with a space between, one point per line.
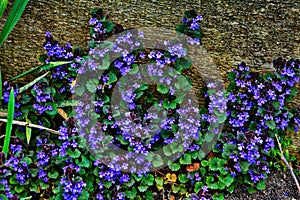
10 118
244 166
27 160
231 87
111 78
253 126
148 179
158 161
198 187
19 188
66 103
201 154
33 172
13 18
131 193
79 90
3 197
84 162
217 196
3 4
13 181
227 150
271 124
106 62
174 166
261 185
251 190
107 184
84 195
180 28
293 91
231 188
209 137
142 188
204 163
44 186
91 85
54 108
53 175
33 187
228 180
73 154
182 178
185 159
107 44
167 104
222 118
159 181
216 164
167 151
190 14
149 195
162 89
136 177
108 26
134 69
276 105
182 82
231 76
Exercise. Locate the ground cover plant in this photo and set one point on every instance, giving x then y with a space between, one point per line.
53 161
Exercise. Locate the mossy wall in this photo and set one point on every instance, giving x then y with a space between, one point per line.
254 31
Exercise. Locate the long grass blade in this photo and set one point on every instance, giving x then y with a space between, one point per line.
3 4
10 118
28 132
13 18
27 86
1 85
41 68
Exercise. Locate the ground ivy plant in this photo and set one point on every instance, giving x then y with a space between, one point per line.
59 166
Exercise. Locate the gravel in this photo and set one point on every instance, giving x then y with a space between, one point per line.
280 186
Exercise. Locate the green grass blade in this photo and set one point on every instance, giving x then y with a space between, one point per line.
13 18
27 86
10 118
28 132
3 4
33 70
1 85
53 64
41 68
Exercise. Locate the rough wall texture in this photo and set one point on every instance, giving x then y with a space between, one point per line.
254 31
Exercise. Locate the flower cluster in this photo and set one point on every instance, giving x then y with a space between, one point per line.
17 164
43 94
72 185
63 75
257 111
191 27
108 175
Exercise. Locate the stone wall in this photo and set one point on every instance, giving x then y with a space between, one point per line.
254 31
